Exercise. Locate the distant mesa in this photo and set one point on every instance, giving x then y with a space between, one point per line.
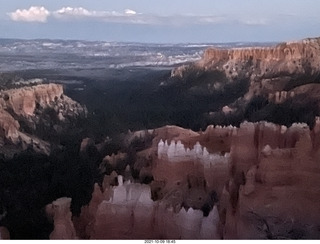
269 69
284 77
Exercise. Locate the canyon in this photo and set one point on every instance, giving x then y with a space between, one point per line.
249 171
245 182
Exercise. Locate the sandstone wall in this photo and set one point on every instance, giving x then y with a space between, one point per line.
25 105
268 69
23 101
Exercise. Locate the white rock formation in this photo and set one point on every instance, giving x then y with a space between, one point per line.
176 152
209 225
132 214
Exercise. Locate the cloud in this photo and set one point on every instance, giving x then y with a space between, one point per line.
79 12
73 12
33 14
257 21
128 16
130 12
211 19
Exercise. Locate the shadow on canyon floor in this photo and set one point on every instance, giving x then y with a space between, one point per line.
121 100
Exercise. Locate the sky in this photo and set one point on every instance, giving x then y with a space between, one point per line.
161 21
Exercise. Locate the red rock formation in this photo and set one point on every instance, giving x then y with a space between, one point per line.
280 197
86 144
22 103
23 100
269 69
285 51
9 127
267 189
126 211
115 161
301 95
4 233
63 226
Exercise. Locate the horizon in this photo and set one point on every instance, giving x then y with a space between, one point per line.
142 42
174 22
160 43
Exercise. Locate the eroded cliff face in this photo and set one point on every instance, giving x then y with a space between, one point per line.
23 101
256 181
35 106
269 69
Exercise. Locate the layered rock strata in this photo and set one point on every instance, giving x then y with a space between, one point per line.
268 69
247 182
27 105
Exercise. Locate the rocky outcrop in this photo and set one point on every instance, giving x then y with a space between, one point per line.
9 126
63 226
35 106
269 69
115 161
279 84
23 101
176 152
126 211
301 95
280 179
257 181
4 233
27 101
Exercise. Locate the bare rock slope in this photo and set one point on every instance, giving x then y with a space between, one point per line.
269 69
24 110
278 74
